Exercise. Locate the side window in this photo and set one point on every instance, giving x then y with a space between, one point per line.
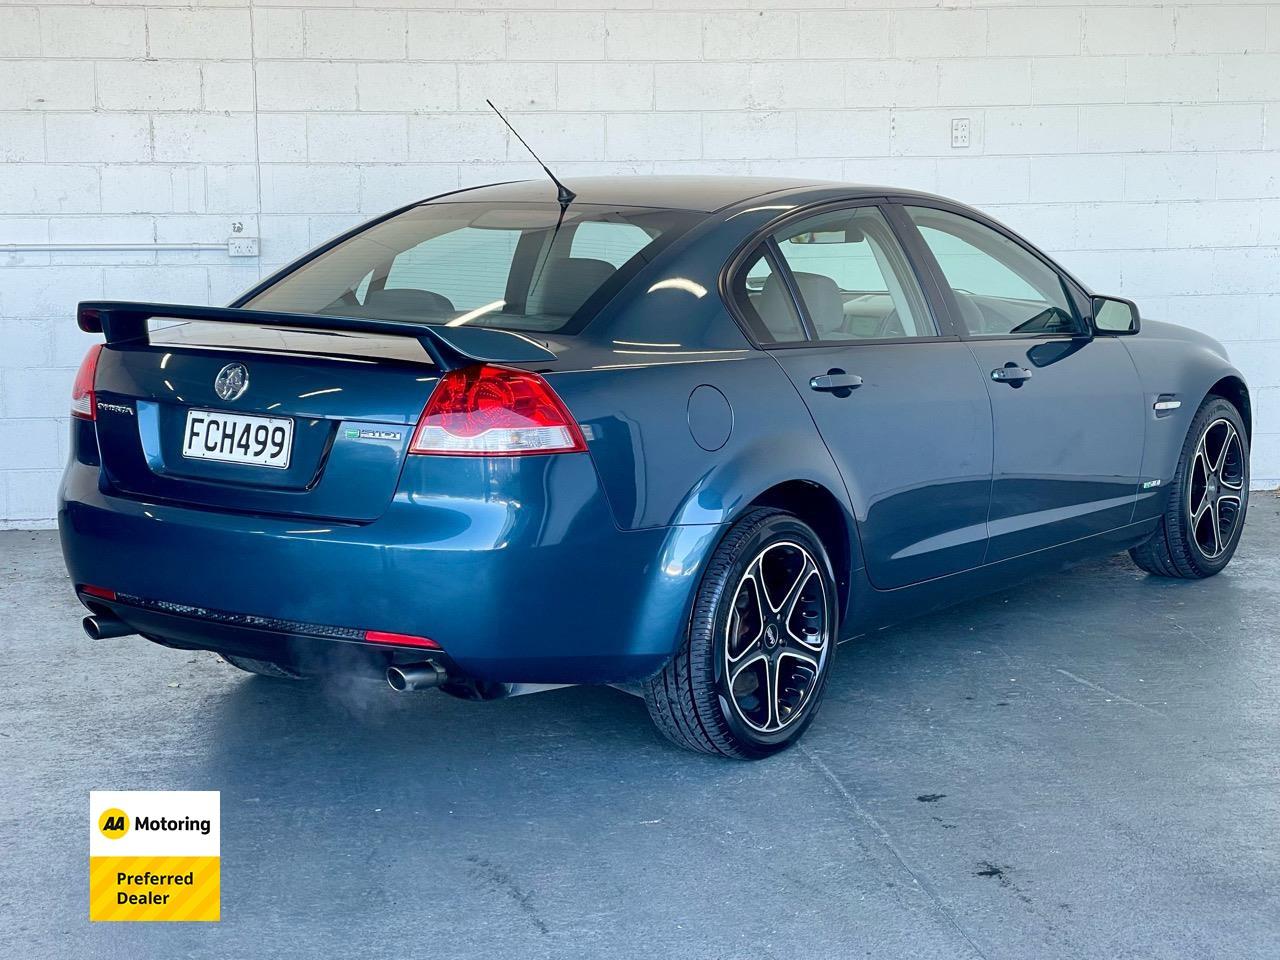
766 303
468 266
1000 287
614 243
853 278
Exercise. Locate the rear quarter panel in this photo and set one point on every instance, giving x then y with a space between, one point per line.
656 473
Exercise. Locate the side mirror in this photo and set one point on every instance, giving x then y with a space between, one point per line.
1115 315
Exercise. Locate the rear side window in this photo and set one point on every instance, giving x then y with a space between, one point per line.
762 296
516 266
614 243
853 278
468 267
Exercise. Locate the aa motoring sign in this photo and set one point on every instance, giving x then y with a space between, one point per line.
154 855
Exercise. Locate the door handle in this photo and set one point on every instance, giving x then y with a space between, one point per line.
836 381
1012 374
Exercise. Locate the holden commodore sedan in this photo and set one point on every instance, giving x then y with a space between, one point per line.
683 434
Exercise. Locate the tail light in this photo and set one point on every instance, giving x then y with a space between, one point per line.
489 411
82 404
400 639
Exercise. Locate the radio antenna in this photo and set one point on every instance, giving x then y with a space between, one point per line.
563 193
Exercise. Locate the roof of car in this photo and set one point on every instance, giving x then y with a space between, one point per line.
702 193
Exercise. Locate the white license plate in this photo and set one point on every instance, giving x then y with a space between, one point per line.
236 438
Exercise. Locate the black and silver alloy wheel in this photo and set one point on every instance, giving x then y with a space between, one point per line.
1207 501
1216 487
750 675
776 637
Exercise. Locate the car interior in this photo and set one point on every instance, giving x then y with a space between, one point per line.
1000 288
855 283
850 275
531 276
520 266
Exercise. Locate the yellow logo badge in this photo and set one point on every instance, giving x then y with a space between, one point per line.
113 823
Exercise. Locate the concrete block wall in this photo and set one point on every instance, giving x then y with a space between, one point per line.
1138 142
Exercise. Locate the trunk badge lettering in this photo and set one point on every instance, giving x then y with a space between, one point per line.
231 382
353 433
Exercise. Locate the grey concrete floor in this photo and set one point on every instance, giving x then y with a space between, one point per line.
1085 766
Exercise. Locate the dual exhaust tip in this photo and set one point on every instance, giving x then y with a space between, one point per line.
104 626
408 677
403 678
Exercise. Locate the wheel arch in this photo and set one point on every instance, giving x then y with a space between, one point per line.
1232 389
822 510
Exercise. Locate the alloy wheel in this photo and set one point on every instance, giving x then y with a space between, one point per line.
777 637
1216 488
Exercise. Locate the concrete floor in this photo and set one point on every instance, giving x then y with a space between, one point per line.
1087 766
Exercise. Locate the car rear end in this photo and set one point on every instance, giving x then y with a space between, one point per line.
334 481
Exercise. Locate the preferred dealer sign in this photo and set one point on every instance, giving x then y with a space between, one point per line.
154 855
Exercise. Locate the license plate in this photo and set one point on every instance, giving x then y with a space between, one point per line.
236 438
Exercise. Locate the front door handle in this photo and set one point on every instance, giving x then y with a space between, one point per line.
1012 374
836 381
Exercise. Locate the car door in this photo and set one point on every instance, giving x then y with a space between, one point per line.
895 397
1066 404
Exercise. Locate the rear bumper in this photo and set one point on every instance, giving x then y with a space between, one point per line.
517 588
311 649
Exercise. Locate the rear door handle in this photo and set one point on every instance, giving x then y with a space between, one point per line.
835 381
1012 374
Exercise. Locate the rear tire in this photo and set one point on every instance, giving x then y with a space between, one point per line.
263 668
749 677
1208 499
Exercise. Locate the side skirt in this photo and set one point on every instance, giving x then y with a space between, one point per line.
873 609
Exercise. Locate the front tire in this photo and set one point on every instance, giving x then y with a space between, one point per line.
1200 529
751 672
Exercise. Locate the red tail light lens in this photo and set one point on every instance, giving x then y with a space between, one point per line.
103 593
489 411
400 639
82 404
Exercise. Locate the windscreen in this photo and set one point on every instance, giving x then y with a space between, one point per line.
516 266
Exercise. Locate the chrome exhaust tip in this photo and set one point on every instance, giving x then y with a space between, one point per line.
103 626
415 676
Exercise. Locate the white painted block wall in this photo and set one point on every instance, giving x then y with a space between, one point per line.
1140 143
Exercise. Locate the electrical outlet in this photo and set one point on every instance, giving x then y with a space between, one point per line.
960 132
242 247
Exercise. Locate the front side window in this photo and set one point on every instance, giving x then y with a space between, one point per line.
516 266
1000 287
853 277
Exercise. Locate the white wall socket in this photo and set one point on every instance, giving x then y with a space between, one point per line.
242 247
960 132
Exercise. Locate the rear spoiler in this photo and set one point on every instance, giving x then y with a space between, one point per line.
450 347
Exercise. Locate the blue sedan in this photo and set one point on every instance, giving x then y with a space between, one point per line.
685 434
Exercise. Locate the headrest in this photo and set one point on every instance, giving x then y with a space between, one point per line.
566 284
777 311
820 294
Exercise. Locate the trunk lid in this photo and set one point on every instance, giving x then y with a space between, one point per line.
351 419
352 391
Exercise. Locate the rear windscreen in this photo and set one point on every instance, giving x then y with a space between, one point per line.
516 266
